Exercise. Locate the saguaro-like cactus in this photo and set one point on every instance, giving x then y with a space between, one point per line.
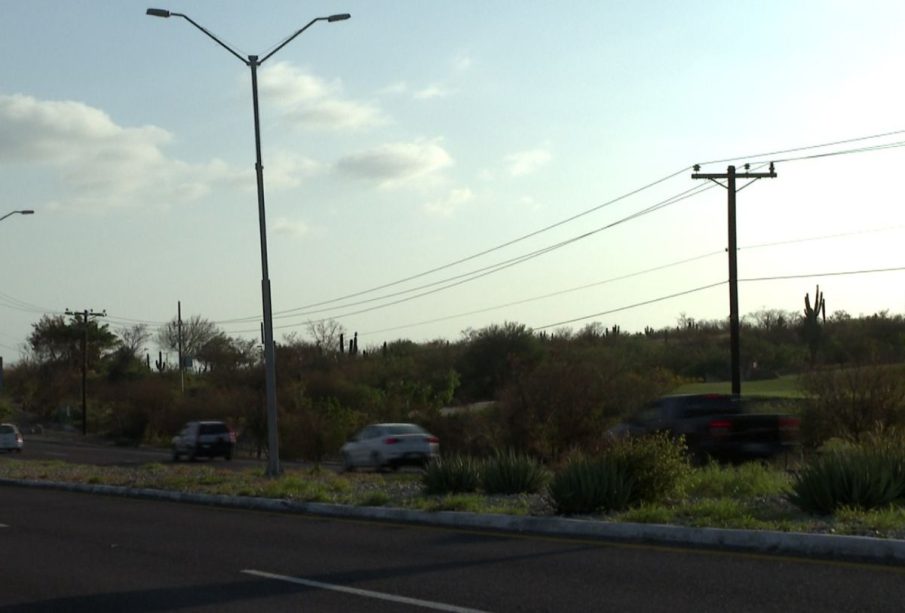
814 317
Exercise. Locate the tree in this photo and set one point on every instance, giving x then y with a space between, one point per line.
133 339
54 340
224 353
493 355
196 332
326 334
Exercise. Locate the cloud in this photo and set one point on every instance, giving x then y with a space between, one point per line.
527 162
462 62
311 102
394 164
100 164
399 87
431 91
284 226
447 206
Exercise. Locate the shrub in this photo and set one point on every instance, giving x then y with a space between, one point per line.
747 480
866 477
658 465
452 475
591 485
847 402
512 473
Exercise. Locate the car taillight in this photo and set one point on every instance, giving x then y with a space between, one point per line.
392 440
232 436
719 427
432 439
788 427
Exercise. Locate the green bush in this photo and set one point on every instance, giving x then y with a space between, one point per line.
512 473
658 465
866 477
452 475
587 485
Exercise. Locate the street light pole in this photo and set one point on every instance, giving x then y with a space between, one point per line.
23 212
273 456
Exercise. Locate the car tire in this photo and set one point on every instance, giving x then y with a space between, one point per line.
175 455
377 462
228 455
348 465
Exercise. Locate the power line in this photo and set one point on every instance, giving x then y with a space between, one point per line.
500 266
551 294
632 306
304 308
824 274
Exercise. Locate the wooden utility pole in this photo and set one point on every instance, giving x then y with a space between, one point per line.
84 315
179 336
731 175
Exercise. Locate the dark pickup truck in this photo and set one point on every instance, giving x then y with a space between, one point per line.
721 426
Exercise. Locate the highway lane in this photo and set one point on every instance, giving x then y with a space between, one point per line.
79 552
79 452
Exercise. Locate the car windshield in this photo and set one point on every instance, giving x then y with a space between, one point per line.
405 429
5 429
213 428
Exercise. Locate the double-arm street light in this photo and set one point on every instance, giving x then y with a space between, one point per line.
253 61
25 212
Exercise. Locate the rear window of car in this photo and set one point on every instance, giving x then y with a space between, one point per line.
405 429
213 429
7 430
699 406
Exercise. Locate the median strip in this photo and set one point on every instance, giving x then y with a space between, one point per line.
425 604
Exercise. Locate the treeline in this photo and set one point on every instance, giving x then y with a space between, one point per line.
550 391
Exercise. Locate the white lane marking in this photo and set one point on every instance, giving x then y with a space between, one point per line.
3 526
427 604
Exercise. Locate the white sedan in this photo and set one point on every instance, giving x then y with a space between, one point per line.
390 445
10 438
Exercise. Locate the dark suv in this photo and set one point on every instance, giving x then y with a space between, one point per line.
204 439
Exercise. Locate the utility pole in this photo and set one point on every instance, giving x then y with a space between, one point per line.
731 175
179 336
84 321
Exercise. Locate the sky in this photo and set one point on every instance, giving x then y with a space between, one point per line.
434 167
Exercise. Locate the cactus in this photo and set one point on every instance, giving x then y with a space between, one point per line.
159 363
814 316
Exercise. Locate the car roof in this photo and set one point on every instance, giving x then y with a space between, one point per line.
395 423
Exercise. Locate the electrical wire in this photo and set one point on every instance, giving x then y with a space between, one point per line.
304 308
632 306
467 277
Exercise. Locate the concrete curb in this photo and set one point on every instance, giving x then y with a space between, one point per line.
851 548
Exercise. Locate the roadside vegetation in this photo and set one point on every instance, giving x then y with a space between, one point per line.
536 444
608 487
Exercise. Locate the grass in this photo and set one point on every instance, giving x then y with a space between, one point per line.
782 387
751 496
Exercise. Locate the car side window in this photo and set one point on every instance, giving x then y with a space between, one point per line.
649 414
368 433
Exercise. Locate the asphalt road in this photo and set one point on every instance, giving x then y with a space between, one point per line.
64 551
79 452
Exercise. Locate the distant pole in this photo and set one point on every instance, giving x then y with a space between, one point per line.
84 345
734 328
179 336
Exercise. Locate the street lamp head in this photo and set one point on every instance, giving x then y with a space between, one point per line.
339 17
157 12
27 212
